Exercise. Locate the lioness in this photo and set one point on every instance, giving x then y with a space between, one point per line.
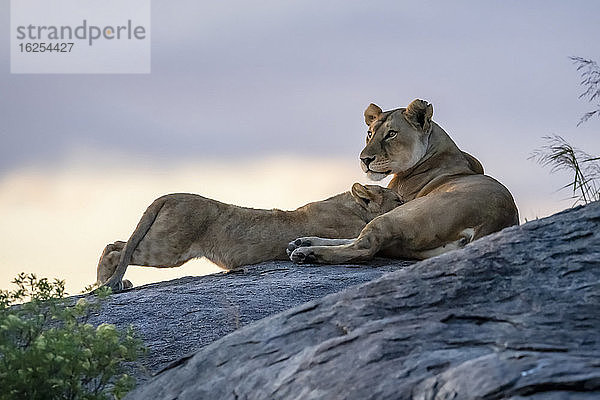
449 202
178 227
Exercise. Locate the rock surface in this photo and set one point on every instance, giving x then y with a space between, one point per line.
515 315
177 317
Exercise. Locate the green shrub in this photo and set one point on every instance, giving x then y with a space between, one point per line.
49 351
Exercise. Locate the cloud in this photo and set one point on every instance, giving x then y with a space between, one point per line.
236 78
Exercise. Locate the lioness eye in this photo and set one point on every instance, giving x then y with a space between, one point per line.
369 134
391 135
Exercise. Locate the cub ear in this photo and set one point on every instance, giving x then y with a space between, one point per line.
371 113
362 195
419 113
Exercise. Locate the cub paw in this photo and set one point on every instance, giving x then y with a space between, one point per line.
303 255
120 285
300 242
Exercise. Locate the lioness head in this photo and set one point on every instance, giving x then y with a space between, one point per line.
396 139
376 200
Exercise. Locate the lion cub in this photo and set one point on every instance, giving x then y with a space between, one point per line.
179 227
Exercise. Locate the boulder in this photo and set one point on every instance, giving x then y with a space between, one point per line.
515 315
177 317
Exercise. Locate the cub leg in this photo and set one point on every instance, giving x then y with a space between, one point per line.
315 241
108 263
154 250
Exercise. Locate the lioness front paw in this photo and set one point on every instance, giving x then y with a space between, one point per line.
303 255
300 242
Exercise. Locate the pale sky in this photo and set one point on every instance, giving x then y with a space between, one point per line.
276 85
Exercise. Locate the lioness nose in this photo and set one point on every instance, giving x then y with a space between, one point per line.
367 160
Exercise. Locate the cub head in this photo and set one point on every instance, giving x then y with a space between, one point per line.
376 200
396 139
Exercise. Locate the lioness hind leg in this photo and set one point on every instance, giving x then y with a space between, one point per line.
466 237
315 241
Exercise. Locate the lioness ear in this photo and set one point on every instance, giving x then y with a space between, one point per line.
419 114
371 113
361 194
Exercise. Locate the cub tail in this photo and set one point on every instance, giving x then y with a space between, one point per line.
116 282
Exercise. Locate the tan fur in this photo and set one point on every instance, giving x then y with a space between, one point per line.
178 227
449 202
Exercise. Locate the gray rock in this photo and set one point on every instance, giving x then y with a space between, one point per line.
515 315
177 317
